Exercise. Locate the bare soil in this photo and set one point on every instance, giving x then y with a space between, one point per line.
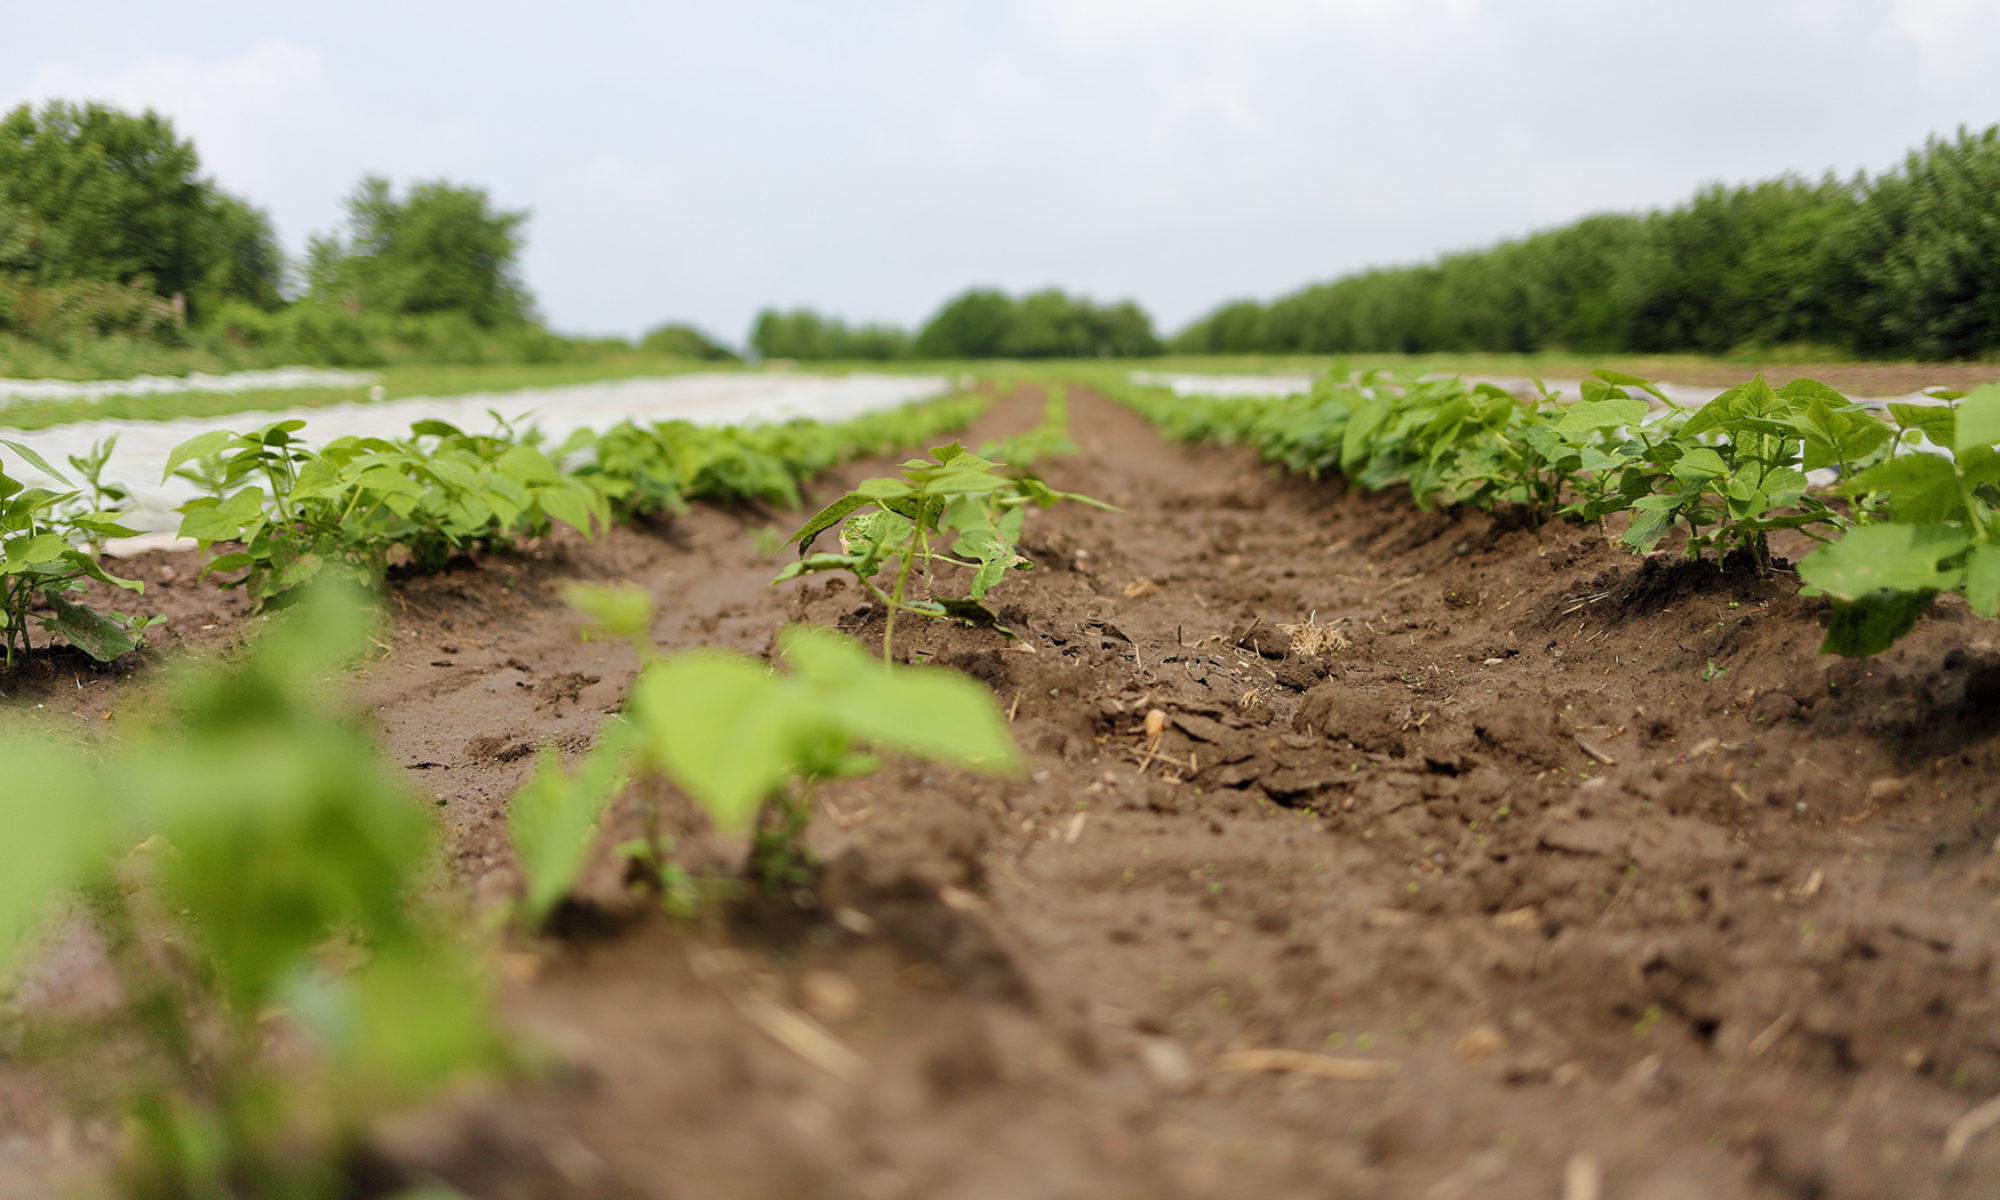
1559 873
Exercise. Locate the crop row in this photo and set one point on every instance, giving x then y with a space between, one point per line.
358 506
1908 513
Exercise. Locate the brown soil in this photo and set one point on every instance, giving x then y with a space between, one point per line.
1566 869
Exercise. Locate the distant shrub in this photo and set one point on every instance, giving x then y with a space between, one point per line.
806 336
986 323
685 341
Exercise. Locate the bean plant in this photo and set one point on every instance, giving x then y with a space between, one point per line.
748 744
354 503
46 561
251 867
952 509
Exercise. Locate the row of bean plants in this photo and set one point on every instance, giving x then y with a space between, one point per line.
359 506
1907 511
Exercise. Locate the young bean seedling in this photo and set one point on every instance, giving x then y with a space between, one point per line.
953 509
746 743
42 564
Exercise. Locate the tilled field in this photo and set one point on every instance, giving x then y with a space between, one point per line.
1472 861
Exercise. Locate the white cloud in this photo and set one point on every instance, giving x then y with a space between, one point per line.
240 112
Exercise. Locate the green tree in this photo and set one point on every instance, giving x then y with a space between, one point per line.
439 249
91 193
1921 257
806 336
975 324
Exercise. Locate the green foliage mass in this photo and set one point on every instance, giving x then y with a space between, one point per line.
979 323
806 336
1905 263
1933 525
48 544
685 341
351 505
250 826
91 193
953 509
357 506
440 248
983 323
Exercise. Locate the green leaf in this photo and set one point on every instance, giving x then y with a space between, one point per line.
1726 409
825 562
1978 419
624 611
1921 488
208 520
1898 558
882 489
1832 435
236 561
55 833
199 446
1621 379
873 534
995 559
1648 526
1938 422
417 1018
1982 579
826 519
294 573
962 481
23 553
527 466
925 711
36 460
569 506
88 630
721 728
1586 416
553 819
1700 465
1859 628
1783 486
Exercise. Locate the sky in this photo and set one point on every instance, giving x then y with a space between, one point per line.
870 158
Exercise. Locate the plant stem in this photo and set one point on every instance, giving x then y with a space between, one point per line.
896 602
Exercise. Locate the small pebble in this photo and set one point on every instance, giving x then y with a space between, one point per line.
1481 1041
829 996
1888 790
1167 1062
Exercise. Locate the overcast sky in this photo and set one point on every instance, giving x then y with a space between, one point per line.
698 161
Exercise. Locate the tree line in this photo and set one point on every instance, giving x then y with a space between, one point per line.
110 236
1901 264
977 323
